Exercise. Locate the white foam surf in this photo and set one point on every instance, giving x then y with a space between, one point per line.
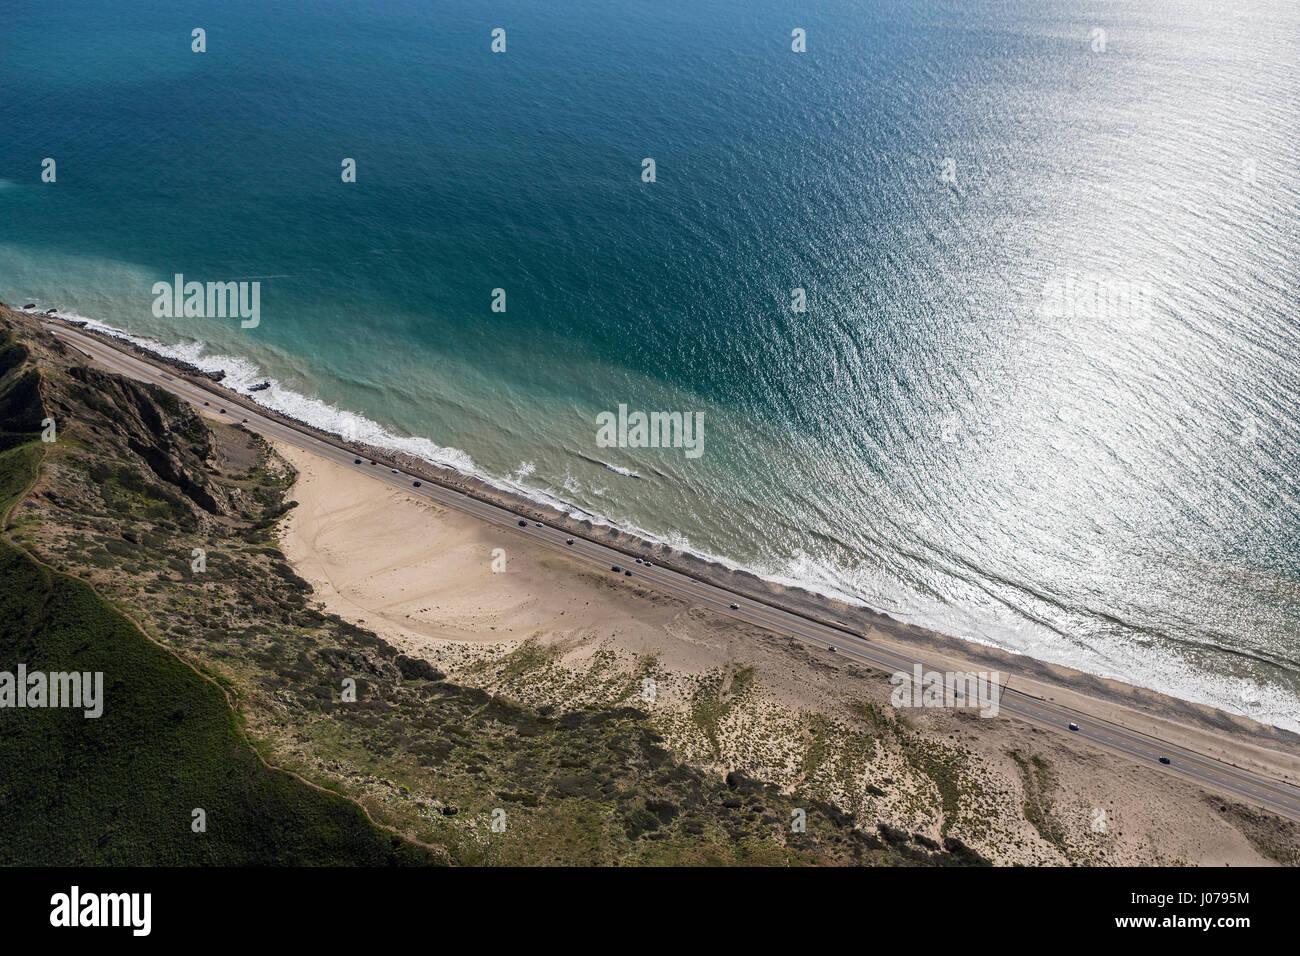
1266 703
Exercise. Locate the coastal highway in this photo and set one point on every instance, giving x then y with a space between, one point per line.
1276 795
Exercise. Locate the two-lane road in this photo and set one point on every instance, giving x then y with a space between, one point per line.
1209 772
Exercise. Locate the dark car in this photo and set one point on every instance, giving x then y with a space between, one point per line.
628 573
1074 726
833 649
356 461
615 568
243 421
523 524
649 565
207 403
221 410
735 607
638 561
1164 760
415 484
568 541
373 462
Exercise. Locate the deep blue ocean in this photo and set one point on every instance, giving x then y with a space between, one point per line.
1044 392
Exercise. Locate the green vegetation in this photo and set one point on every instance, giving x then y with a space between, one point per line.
120 789
715 698
1039 781
137 482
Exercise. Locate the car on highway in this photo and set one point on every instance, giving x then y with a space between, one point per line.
221 410
833 649
243 421
628 573
1074 726
394 471
615 568
638 561
568 541
540 525
1164 760
523 524
735 607
356 461
415 484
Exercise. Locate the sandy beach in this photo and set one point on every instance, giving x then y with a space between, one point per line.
731 437
1241 740
441 576
521 616
423 577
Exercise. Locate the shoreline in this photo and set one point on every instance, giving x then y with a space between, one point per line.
748 694
1035 677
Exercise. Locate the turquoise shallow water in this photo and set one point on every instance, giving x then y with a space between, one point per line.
944 434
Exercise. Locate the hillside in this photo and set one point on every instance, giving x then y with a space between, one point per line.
134 483
121 788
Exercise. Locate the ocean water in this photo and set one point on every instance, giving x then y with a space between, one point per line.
1043 394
